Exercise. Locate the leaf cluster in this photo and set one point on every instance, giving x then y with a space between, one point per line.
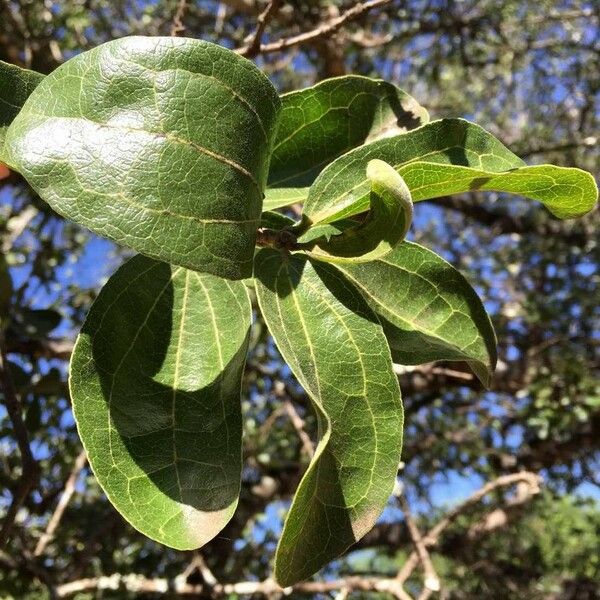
181 150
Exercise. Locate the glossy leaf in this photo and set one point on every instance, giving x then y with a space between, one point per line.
336 348
385 225
155 382
161 144
16 84
447 157
320 123
428 309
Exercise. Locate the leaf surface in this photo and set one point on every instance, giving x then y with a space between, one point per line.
428 309
160 144
16 84
320 123
336 348
385 225
448 156
155 382
280 197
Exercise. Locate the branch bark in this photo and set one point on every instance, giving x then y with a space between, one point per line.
63 502
253 47
323 31
30 468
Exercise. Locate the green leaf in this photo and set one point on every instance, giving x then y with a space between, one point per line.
428 309
448 156
155 382
384 227
320 123
16 84
280 197
336 348
160 144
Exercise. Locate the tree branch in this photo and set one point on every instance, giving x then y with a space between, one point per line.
325 30
30 469
144 585
298 424
68 491
177 27
254 45
432 581
433 536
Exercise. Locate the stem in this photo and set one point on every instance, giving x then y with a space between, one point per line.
30 469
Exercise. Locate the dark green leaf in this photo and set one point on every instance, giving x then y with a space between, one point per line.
447 157
336 348
320 123
16 84
383 228
155 382
161 144
428 309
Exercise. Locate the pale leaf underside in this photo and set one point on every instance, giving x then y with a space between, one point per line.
337 350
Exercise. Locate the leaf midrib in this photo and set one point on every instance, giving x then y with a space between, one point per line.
157 134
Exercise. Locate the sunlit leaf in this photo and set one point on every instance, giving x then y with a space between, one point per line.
280 197
385 225
447 157
320 123
161 144
428 309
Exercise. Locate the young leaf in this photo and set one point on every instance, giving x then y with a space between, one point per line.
447 157
320 123
161 144
385 225
566 192
336 348
155 383
428 309
16 85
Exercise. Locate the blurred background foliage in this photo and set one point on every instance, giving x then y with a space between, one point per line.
528 71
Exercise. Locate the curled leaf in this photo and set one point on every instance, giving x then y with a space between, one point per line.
385 225
443 157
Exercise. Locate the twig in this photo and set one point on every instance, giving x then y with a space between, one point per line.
254 45
432 581
65 497
325 30
16 226
298 424
144 585
432 537
177 27
220 19
30 468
